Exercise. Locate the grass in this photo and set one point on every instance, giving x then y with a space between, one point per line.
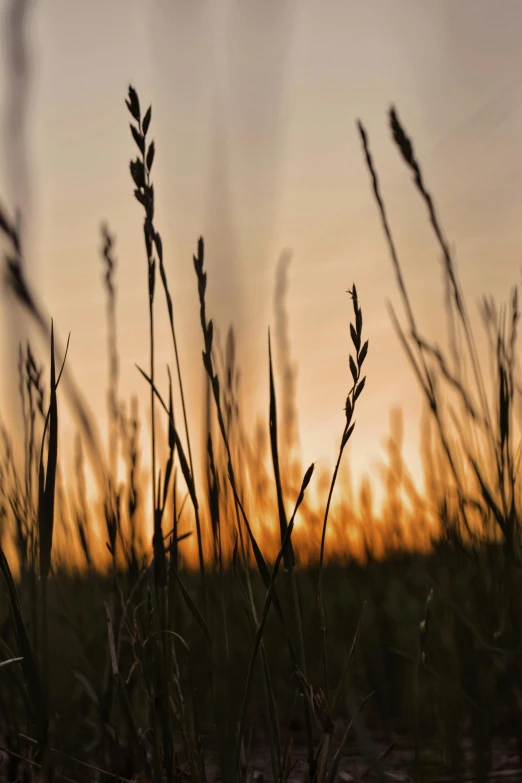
267 658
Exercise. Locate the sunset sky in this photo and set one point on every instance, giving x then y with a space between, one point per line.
254 109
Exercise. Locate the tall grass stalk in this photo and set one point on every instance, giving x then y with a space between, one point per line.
288 555
208 332
361 350
207 328
144 193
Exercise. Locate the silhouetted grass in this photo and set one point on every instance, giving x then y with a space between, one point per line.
284 650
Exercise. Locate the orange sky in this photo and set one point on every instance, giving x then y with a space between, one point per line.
254 109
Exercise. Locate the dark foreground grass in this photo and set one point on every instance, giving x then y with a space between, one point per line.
466 685
135 666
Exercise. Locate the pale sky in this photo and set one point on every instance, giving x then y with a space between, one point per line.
254 105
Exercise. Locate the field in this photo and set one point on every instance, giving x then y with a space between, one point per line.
323 644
